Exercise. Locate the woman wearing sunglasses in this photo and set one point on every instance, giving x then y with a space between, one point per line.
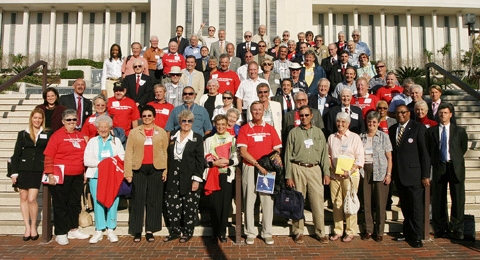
145 164
271 76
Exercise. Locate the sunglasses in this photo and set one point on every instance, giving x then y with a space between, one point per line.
355 35
70 119
262 92
248 36
211 30
377 67
147 115
262 45
382 108
137 66
185 121
227 98
267 64
188 93
304 115
175 75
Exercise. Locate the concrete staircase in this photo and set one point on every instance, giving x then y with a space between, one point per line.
15 109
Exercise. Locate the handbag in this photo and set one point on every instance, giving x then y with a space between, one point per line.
125 189
351 204
84 219
289 204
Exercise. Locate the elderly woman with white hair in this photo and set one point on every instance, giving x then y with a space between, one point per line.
212 99
344 146
98 148
421 111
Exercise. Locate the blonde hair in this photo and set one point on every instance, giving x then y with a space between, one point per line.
30 124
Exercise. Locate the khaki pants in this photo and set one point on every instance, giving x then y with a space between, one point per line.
249 197
338 190
310 180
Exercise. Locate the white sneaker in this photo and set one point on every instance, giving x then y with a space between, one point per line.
61 240
97 237
77 234
249 240
111 236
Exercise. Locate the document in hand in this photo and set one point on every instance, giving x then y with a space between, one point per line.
58 174
344 163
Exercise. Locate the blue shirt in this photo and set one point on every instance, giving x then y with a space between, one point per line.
195 51
201 122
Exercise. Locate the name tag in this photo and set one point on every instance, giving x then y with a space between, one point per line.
195 50
165 111
142 82
105 154
354 116
253 48
369 151
258 138
148 141
76 144
42 136
177 58
157 57
368 100
214 76
173 96
92 120
115 104
308 143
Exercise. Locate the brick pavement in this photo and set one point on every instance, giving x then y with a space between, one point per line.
12 247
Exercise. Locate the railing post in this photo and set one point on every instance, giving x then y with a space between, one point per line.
46 215
44 78
238 206
426 232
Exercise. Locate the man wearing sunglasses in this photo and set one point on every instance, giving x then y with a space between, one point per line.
138 85
246 46
380 79
307 169
262 53
174 87
201 123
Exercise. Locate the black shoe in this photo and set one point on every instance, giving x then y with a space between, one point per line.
416 243
34 237
149 237
27 238
456 236
440 235
137 237
170 238
185 239
222 239
398 239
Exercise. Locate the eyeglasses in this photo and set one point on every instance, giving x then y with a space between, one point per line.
149 115
248 36
262 92
227 97
185 121
382 108
137 66
295 69
211 30
267 64
188 93
402 112
286 35
70 119
175 75
262 45
304 115
300 100
377 67
355 35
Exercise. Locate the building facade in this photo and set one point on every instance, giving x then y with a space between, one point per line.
397 32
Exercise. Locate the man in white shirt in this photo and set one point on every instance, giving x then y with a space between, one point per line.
207 40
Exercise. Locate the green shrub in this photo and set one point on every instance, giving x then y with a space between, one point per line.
13 87
71 74
85 62
32 80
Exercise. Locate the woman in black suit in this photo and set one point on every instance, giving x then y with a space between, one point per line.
27 168
185 168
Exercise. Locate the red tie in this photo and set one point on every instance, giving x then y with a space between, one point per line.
343 70
346 110
79 111
137 85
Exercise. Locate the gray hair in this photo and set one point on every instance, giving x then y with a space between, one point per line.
103 119
323 80
185 114
69 112
373 115
344 116
214 81
99 96
295 96
421 104
159 85
233 110
416 86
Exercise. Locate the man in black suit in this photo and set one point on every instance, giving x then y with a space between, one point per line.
323 101
435 92
182 42
246 46
202 63
285 96
357 124
138 85
447 143
76 99
411 172
337 72
331 60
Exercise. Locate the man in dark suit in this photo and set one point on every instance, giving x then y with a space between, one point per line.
202 63
410 171
337 72
323 101
182 42
285 97
138 85
76 99
435 92
246 46
447 143
331 60
357 124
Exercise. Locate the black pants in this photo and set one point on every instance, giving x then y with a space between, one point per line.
147 195
66 203
412 198
439 202
220 204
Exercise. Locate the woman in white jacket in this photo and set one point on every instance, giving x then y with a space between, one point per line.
98 148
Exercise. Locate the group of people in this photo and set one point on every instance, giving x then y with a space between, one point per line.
334 123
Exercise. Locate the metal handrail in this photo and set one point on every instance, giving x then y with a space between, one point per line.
464 86
24 73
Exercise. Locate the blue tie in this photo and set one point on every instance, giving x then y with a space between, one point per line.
443 145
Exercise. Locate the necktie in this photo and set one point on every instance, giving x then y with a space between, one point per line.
221 47
204 64
178 40
443 145
79 111
434 108
400 134
333 60
343 69
289 103
261 37
137 84
346 110
248 46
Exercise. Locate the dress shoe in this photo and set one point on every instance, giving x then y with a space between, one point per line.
27 238
222 239
323 240
456 236
378 238
298 239
366 236
440 235
34 237
415 243
398 239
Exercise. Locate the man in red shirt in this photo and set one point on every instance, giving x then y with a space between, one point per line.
172 58
123 110
227 79
367 102
255 140
390 90
162 107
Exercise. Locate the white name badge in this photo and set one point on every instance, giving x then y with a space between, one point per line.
368 101
115 104
148 141
297 122
258 138
308 74
253 48
277 81
308 143
43 136
157 57
165 111
173 96
142 82
214 76
92 120
369 151
195 50
105 154
177 58
76 144
354 116
228 83
295 90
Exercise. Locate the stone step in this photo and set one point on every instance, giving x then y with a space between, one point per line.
457 98
15 120
17 107
464 102
465 108
17 114
468 121
460 114
472 128
21 101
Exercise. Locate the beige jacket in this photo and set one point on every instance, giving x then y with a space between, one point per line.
135 149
